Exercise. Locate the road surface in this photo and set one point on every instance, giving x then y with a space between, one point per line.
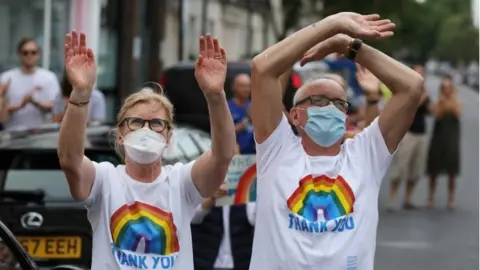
437 239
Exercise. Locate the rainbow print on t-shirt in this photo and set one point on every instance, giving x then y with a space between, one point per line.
131 224
332 197
245 192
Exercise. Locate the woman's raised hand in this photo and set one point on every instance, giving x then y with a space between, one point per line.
211 66
80 64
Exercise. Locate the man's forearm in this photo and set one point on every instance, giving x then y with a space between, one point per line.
221 126
395 75
280 57
71 142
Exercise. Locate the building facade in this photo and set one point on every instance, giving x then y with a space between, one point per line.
133 39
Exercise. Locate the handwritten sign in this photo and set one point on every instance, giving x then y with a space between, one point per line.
241 184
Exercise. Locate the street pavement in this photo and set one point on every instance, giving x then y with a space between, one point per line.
437 239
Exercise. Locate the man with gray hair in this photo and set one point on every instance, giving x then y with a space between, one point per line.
316 196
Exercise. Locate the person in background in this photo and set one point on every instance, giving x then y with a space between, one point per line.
30 90
239 106
222 237
97 107
444 151
341 64
3 105
409 160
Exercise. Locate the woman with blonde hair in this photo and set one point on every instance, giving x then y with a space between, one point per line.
140 212
444 152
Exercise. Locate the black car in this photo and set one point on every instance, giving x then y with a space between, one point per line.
35 200
14 257
190 105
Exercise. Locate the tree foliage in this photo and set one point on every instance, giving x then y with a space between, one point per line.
432 28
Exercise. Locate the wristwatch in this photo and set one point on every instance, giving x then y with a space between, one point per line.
353 48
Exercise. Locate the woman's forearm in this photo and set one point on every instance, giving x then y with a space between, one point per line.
222 127
71 143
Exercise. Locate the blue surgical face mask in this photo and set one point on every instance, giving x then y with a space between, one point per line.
325 125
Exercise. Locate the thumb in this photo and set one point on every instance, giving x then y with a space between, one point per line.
199 60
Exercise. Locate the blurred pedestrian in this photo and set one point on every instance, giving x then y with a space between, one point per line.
444 151
140 212
409 161
239 106
97 108
222 237
316 197
30 90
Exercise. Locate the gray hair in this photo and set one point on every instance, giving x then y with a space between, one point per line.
299 93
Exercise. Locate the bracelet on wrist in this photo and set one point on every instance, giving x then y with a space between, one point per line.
79 104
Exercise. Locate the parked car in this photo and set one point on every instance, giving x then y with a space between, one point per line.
190 105
35 200
14 257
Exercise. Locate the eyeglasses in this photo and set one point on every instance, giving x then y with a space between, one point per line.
29 52
155 124
322 101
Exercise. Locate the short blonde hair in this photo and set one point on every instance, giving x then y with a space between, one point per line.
145 95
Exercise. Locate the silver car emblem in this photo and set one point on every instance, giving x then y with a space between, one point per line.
31 220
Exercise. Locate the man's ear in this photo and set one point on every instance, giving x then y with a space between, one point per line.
294 116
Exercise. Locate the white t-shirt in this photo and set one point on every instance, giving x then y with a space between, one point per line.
142 225
318 212
42 83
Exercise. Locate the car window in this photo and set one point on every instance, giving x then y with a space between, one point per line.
30 171
187 144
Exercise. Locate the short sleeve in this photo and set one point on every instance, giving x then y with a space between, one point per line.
188 190
369 147
101 174
281 141
4 78
58 107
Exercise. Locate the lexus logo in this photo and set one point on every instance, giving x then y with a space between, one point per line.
31 220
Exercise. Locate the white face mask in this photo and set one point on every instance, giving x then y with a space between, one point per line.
144 145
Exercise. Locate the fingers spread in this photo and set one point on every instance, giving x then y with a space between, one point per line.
210 50
203 46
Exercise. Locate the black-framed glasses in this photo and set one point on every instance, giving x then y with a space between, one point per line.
155 124
322 101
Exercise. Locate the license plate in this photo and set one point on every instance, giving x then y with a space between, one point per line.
56 247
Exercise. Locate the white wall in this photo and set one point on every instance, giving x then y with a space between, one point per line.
227 23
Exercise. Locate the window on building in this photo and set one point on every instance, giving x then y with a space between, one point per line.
192 37
59 27
18 19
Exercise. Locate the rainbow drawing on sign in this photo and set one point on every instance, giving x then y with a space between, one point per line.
246 190
132 223
333 196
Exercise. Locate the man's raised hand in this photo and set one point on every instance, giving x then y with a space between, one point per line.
362 26
80 64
